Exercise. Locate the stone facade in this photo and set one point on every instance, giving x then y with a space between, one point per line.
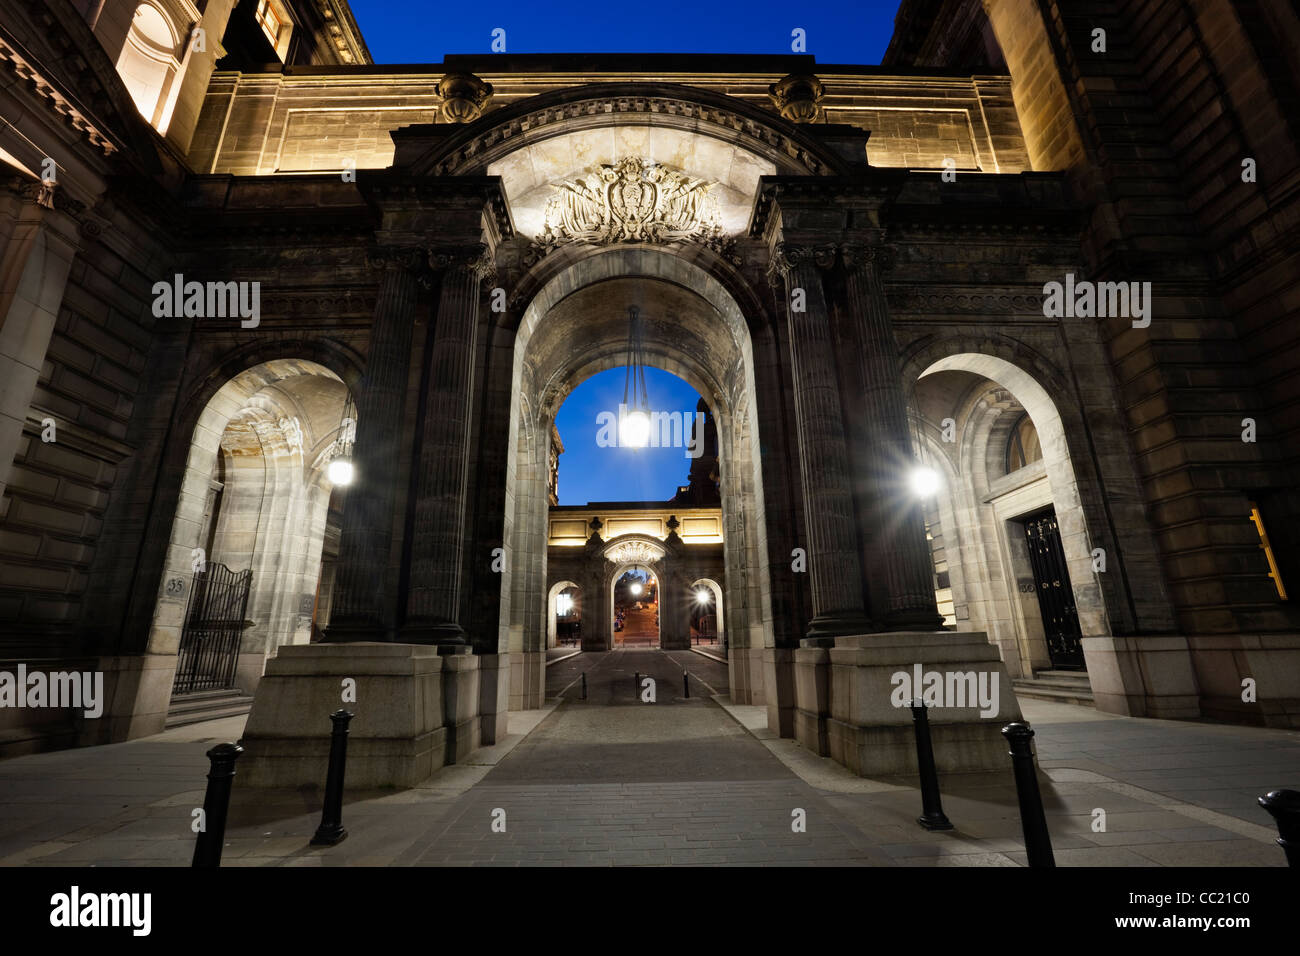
875 298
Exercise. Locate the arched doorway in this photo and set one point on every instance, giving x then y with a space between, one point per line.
1013 553
634 597
252 543
706 620
575 326
564 614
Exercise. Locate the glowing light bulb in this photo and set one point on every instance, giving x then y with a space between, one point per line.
634 430
340 472
924 481
702 596
635 588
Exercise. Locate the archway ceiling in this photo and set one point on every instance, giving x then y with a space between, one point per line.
587 331
531 173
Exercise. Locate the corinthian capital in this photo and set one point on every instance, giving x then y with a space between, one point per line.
409 258
861 255
787 257
474 257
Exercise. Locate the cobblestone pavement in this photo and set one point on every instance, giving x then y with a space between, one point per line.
613 780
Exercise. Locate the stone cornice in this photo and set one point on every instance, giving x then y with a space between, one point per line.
402 191
29 74
876 187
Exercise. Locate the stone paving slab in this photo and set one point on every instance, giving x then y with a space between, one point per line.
614 781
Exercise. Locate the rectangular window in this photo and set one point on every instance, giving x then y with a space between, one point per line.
1273 572
269 21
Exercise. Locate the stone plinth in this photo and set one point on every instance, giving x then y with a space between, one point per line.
406 698
844 691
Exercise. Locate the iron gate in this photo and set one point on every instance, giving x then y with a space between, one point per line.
1055 596
214 621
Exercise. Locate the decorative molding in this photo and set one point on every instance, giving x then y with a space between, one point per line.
633 200
798 97
634 552
464 96
61 104
860 255
1017 304
787 257
469 152
476 257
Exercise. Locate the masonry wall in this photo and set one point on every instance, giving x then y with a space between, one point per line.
301 120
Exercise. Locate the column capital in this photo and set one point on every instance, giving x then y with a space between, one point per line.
859 254
475 257
410 259
786 257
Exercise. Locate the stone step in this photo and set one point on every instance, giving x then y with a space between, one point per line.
207 705
1064 687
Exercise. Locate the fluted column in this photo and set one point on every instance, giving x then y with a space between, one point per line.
834 561
901 550
358 612
434 599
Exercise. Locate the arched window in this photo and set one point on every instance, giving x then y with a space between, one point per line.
148 64
1022 444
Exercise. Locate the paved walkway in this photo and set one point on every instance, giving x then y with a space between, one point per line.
615 780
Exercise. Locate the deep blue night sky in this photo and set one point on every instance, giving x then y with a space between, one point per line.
838 31
590 473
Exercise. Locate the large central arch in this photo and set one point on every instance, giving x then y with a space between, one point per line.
576 326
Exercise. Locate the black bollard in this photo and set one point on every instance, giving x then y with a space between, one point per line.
1284 806
686 685
331 829
216 801
932 816
1038 841
584 685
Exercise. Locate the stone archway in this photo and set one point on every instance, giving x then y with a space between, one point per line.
967 407
254 496
714 591
575 326
553 609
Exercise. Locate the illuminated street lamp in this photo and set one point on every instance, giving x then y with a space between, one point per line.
340 471
702 596
924 481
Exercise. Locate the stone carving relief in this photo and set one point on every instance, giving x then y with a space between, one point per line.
634 552
633 200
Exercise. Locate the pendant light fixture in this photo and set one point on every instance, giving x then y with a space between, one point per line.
340 471
634 421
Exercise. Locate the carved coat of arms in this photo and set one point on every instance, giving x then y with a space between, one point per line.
632 201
